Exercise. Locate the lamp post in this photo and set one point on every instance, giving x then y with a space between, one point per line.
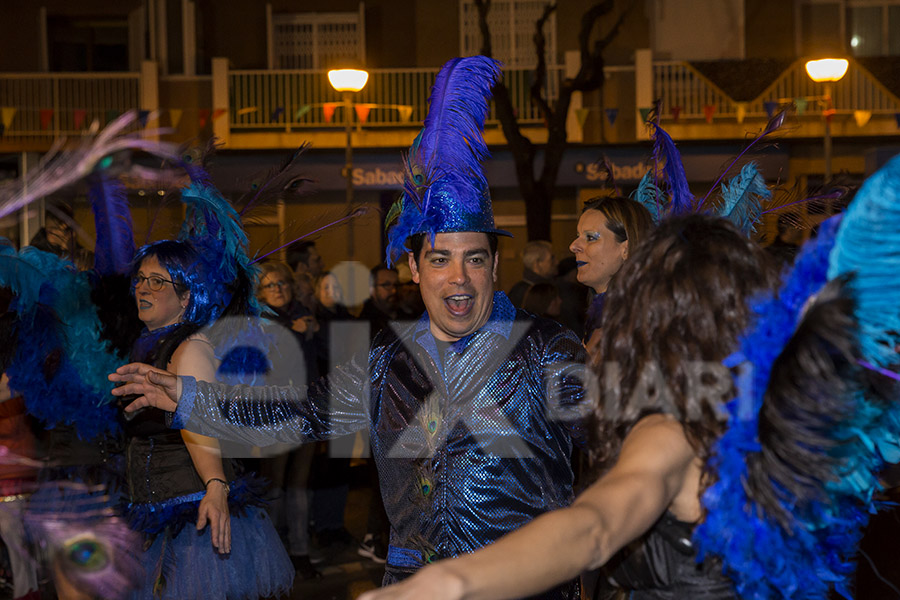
827 71
348 81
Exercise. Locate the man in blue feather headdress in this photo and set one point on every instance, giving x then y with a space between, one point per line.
473 408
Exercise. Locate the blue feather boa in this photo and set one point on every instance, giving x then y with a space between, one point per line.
764 560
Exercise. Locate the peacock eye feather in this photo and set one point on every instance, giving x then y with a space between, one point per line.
105 162
86 554
432 426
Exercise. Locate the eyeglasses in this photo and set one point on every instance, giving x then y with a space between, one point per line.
270 287
154 282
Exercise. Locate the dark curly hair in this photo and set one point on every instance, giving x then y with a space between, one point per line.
677 312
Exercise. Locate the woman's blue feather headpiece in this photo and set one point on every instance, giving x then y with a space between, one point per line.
445 189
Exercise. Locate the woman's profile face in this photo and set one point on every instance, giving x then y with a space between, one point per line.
598 256
276 290
329 291
158 303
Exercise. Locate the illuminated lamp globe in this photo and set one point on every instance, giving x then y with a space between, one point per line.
348 80
827 69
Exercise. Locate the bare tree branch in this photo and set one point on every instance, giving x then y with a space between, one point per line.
540 71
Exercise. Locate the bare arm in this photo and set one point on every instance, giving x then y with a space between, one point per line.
654 467
195 357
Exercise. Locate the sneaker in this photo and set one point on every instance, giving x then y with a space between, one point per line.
373 549
304 567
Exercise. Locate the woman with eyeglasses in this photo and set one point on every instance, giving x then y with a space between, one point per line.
206 535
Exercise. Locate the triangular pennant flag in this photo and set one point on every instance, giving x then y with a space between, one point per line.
46 117
247 110
219 112
203 117
304 108
111 115
6 115
708 111
78 117
801 104
405 112
862 117
771 106
276 114
328 110
2 129
740 111
897 117
676 111
362 111
829 113
142 117
175 116
581 115
611 114
645 113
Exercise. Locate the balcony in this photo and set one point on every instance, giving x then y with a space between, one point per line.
269 109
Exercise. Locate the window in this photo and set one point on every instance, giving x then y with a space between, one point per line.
87 44
512 25
318 40
866 27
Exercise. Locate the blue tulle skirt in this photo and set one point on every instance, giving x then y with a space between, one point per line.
187 567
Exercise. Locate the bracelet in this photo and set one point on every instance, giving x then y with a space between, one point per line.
222 481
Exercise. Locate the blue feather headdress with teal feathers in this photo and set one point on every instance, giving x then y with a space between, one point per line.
445 189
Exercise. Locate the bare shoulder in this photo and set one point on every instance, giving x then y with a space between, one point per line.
658 440
195 357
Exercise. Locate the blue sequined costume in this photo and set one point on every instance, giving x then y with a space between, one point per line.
472 439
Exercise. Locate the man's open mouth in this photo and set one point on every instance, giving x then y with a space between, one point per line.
459 304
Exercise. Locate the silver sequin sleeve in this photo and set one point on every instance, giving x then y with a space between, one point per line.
263 415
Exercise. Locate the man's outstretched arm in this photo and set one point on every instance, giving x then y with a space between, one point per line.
257 415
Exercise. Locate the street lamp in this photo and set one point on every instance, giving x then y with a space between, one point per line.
348 81
827 71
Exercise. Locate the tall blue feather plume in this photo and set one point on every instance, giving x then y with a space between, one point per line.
682 201
444 161
451 143
114 248
742 198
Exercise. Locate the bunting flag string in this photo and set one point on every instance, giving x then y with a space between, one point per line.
78 117
247 110
771 106
328 110
645 113
217 113
611 114
676 112
862 117
175 116
203 117
276 114
897 118
581 115
801 104
300 112
6 115
46 117
362 111
405 112
143 115
740 111
708 111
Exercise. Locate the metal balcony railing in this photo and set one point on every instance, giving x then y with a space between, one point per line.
47 105
296 99
678 84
